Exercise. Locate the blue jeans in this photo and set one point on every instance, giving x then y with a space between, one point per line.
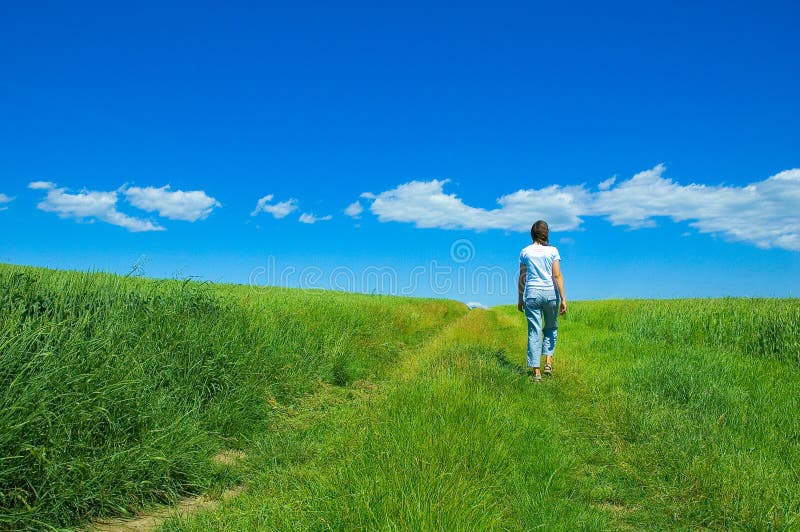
541 303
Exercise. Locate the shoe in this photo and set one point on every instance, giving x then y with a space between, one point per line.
537 378
548 370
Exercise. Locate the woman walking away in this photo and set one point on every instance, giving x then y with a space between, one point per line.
539 277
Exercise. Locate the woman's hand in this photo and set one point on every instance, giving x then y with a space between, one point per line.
520 306
562 307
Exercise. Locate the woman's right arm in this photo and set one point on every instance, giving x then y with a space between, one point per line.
558 279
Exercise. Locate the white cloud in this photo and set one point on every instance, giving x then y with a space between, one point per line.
176 205
425 204
307 218
605 185
4 199
89 205
278 210
764 213
354 209
261 202
41 185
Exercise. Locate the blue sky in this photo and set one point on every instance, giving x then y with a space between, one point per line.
659 139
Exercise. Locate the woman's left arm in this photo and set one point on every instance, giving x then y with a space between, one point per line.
523 273
558 279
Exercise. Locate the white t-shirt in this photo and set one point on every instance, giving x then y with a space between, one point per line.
538 261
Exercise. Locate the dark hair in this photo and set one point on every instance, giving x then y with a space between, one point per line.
540 232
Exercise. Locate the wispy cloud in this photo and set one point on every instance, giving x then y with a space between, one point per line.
188 206
354 210
605 185
277 210
284 208
765 213
3 200
41 185
308 218
89 205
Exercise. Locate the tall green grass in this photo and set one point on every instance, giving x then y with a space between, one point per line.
757 327
637 430
115 392
388 413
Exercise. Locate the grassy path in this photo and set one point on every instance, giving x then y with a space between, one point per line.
456 437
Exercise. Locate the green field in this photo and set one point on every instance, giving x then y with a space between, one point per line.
359 411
